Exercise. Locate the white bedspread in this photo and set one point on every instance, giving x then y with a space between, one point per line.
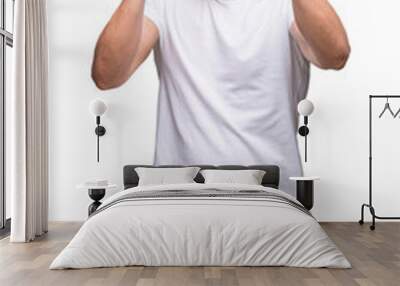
200 231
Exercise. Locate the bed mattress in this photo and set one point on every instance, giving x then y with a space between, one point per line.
201 225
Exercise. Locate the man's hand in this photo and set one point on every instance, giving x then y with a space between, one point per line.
320 34
123 45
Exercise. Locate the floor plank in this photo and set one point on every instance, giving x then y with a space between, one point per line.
375 257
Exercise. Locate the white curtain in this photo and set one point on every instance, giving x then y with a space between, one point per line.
27 121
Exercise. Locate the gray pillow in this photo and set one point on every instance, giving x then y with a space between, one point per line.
166 176
248 177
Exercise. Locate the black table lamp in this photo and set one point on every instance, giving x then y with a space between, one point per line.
305 108
97 107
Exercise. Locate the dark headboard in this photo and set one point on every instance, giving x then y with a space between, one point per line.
271 178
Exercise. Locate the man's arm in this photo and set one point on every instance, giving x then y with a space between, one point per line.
123 45
320 34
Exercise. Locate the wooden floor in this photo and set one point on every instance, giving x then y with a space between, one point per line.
375 257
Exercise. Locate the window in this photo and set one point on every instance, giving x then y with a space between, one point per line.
6 44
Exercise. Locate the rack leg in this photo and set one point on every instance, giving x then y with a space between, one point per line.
361 221
372 210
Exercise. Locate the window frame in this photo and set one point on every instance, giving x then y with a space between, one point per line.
6 39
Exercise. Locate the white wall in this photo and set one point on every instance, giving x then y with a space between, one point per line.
339 127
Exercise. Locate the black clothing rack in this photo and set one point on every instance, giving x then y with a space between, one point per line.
370 204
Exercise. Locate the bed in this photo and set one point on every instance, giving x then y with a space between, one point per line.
198 224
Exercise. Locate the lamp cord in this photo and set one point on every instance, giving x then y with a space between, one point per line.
98 144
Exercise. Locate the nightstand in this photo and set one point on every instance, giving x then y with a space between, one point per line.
305 190
96 193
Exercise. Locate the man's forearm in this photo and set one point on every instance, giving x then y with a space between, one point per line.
323 31
118 44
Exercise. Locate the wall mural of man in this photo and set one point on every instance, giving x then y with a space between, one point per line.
231 73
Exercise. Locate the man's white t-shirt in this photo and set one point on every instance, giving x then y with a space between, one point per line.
230 80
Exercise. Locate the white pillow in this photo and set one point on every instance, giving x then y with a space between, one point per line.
248 177
166 176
